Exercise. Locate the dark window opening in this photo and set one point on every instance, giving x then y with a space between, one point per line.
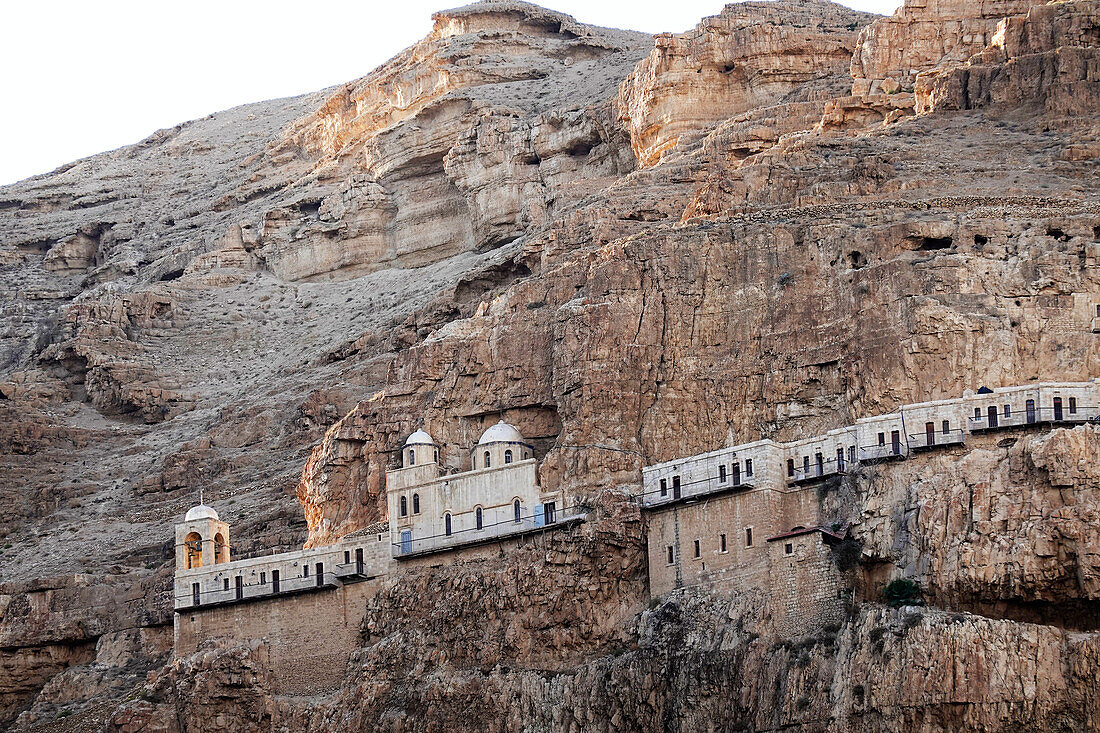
748 467
1072 405
238 584
478 518
488 460
882 438
789 548
347 557
991 414
305 571
1008 411
790 467
263 578
670 555
196 594
930 433
274 581
359 560
447 524
675 487
946 427
1029 410
722 542
404 507
820 460
664 487
722 474
517 511
416 503
320 573
1057 408
895 442
412 457
748 536
736 474
549 512
698 550
226 584
507 456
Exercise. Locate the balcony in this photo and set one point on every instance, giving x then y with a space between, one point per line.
352 571
883 452
253 591
926 440
416 546
832 467
694 489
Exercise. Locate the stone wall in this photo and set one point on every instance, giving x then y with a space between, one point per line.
308 637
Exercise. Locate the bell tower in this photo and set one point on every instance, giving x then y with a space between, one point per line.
202 539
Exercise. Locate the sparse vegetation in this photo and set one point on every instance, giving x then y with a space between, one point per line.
902 592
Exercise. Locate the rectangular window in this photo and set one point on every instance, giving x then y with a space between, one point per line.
675 487
670 554
722 543
263 578
852 453
305 571
1008 411
698 550
748 536
664 487
722 474
977 413
790 467
748 467
1072 405
347 557
789 548
882 438
946 426
549 511
227 584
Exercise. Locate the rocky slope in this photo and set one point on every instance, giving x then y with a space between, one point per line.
790 217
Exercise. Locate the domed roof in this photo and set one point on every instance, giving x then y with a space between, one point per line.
420 438
502 432
200 512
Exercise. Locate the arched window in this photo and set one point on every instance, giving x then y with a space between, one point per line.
193 548
507 456
404 507
526 454
447 524
412 457
416 503
517 511
488 460
435 454
221 550
478 518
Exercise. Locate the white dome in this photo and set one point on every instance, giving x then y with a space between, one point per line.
420 438
502 432
200 512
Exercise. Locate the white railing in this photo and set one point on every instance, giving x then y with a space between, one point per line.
497 530
927 439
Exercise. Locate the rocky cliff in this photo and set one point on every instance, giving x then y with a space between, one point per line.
633 249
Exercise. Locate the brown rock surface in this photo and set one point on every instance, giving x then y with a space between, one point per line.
631 262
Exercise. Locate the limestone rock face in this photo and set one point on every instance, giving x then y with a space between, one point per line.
751 56
924 34
1048 57
630 252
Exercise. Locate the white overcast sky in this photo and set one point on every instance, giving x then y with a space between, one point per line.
81 77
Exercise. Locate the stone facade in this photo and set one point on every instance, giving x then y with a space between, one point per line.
431 510
742 520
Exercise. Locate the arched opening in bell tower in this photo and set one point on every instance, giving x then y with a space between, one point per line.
193 546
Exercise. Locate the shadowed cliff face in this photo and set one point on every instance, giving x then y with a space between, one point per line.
632 253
